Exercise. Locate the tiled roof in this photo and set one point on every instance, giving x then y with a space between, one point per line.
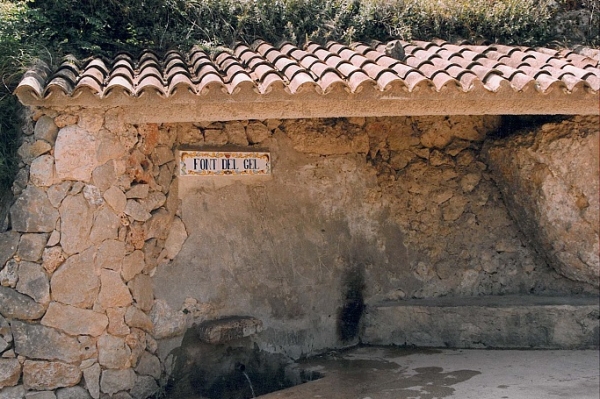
263 69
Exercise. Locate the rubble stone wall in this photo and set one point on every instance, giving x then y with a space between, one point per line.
106 264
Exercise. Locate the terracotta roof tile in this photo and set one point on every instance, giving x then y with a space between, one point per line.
263 67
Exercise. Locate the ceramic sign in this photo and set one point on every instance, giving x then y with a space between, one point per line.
226 163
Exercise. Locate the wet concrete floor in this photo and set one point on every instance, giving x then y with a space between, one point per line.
396 373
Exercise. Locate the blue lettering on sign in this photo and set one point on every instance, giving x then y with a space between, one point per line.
250 164
205 164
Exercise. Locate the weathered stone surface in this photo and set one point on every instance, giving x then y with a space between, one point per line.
75 154
10 372
113 352
75 282
309 137
144 387
57 192
29 151
136 340
116 321
228 329
137 211
106 225
256 132
46 129
215 137
116 199
52 258
135 318
74 321
133 264
77 218
167 322
155 200
40 375
76 392
40 395
9 275
9 242
549 179
236 134
113 381
31 246
113 293
35 341
149 365
41 172
14 305
54 239
91 120
17 392
33 213
142 291
3 344
176 238
110 255
104 176
33 282
91 375
159 224
163 154
92 194
138 191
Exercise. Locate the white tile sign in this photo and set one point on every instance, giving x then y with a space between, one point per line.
225 163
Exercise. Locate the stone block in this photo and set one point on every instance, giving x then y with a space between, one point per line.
113 352
40 395
10 372
116 199
17 392
31 246
29 151
75 154
35 341
75 282
133 264
138 191
106 226
52 258
9 242
176 238
77 218
137 211
228 329
110 255
145 387
135 318
92 195
57 192
46 129
149 364
32 212
76 392
142 291
116 321
167 322
9 275
33 282
41 172
74 321
113 293
91 376
42 375
256 132
14 305
113 381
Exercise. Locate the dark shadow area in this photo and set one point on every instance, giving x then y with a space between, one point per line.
511 124
354 305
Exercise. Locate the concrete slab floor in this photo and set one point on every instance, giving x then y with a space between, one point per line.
396 373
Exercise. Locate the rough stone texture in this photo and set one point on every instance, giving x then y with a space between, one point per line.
35 341
149 365
113 381
489 322
133 264
228 329
9 275
76 392
116 321
91 375
57 192
40 395
9 242
17 392
40 375
76 220
14 305
138 191
176 238
10 372
110 255
74 321
29 151
116 199
46 129
255 132
106 225
136 318
41 172
167 322
75 154
113 352
114 293
75 282
33 282
142 291
549 179
144 387
32 212
31 247
52 258
136 211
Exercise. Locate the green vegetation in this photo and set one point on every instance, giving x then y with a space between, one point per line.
52 28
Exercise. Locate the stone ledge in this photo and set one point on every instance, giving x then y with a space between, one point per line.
228 329
486 322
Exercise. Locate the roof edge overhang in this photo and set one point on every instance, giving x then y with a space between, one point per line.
189 107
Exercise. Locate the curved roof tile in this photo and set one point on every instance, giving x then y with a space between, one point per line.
288 70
